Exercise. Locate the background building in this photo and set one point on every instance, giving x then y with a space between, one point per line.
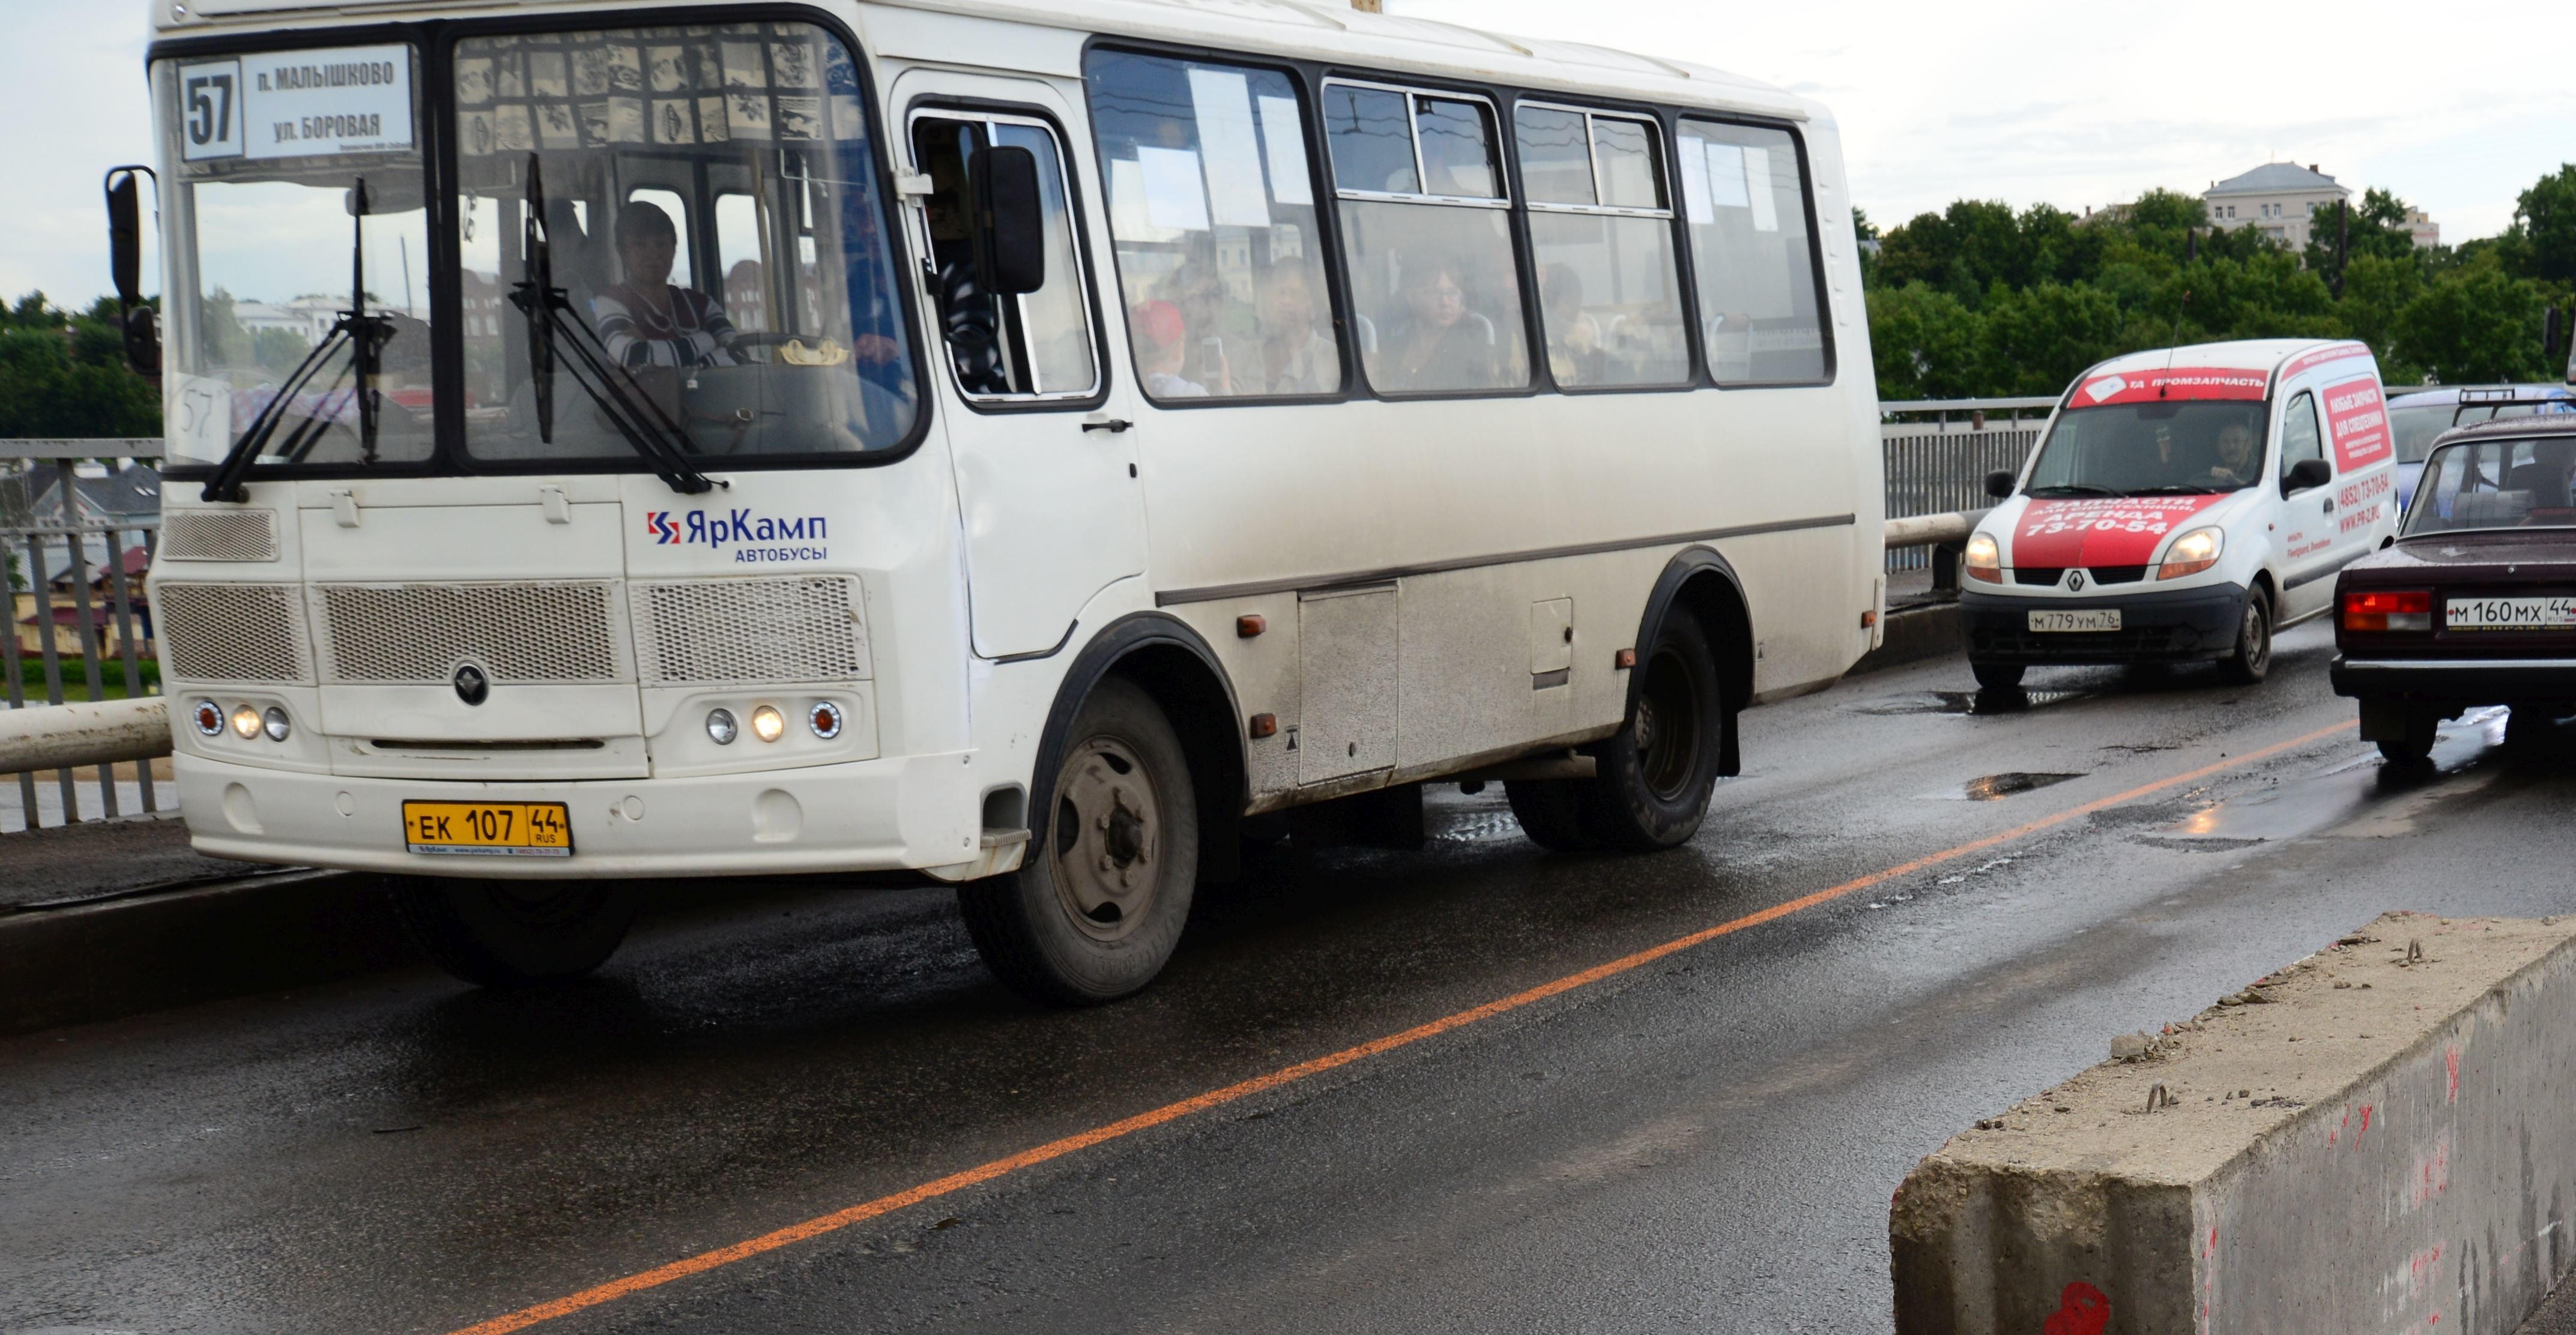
2282 198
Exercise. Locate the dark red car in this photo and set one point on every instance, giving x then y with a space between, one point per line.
2474 601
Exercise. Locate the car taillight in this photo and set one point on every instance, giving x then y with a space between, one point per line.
2388 609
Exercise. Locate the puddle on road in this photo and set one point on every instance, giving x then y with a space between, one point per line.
1475 826
1965 702
2357 796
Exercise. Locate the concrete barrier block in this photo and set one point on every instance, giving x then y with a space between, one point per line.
2380 1137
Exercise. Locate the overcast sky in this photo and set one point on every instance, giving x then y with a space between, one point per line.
2072 105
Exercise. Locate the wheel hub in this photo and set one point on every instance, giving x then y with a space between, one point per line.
1107 839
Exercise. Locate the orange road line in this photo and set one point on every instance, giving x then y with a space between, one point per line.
1171 1112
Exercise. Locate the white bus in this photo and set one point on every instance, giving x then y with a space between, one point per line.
1018 442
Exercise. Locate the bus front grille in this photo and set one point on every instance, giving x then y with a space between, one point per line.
735 631
219 535
231 632
515 632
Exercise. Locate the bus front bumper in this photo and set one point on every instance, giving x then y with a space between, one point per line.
2164 626
900 813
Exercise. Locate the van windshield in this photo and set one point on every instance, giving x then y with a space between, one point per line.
2144 449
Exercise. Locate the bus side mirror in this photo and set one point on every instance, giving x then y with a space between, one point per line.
1010 220
1999 484
2309 473
125 267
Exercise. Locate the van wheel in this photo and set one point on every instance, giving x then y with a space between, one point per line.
1997 676
2252 657
1095 912
1652 779
515 933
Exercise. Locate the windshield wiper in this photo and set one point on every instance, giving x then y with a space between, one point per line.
662 442
2079 488
365 335
2178 489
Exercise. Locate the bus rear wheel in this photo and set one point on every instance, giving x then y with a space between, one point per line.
1653 778
1095 911
515 933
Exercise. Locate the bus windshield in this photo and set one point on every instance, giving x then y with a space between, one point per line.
696 206
2162 447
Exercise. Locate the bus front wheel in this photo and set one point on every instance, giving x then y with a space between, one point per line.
515 933
1653 778
1097 907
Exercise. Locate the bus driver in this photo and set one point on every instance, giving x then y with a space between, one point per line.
643 319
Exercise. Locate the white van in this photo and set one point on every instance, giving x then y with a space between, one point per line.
2183 505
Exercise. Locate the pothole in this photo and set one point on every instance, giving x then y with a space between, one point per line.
1994 787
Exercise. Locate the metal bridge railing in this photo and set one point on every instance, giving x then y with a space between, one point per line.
1937 453
79 616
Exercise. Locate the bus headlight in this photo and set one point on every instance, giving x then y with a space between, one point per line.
246 722
1984 559
721 729
825 719
275 724
209 718
768 724
2192 553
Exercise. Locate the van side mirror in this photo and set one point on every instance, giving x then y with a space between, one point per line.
2309 473
1010 220
125 267
1999 484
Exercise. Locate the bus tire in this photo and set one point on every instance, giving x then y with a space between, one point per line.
1095 910
1655 775
2251 658
496 933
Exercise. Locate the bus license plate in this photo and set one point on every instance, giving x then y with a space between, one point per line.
2509 613
2091 618
488 829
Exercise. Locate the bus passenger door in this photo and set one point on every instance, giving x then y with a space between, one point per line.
1045 472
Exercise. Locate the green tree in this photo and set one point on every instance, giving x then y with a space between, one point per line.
2542 241
2476 323
1925 343
65 375
2035 341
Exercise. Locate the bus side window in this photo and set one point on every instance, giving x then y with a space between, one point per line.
739 260
2300 438
1601 238
1435 285
1026 345
1212 205
1744 192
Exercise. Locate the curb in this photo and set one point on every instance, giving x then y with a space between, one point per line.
124 954
1925 630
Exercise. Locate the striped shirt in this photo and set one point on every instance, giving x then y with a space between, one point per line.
695 333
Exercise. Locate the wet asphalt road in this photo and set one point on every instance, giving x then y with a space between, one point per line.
1705 1143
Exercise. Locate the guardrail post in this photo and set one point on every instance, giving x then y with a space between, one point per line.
1945 567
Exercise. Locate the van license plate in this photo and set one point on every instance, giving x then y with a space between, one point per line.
2509 613
488 829
2091 618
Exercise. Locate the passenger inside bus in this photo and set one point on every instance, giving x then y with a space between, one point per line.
644 320
1439 344
1574 352
1163 349
1295 358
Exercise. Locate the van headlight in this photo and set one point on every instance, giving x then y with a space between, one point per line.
1985 559
2192 553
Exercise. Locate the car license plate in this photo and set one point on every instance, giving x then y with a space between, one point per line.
488 829
2091 618
2509 614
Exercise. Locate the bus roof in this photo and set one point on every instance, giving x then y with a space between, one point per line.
1312 29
